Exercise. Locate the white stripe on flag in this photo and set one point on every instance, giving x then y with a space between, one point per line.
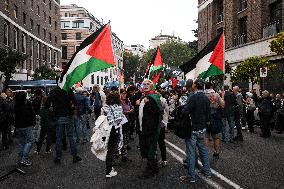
203 64
190 75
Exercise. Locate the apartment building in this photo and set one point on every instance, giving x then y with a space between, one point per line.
76 25
249 27
31 27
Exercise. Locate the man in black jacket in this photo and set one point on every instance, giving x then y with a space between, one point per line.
229 113
198 107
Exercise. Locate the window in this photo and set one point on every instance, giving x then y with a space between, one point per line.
32 24
44 48
102 81
6 5
78 36
55 39
50 53
92 79
24 18
32 53
98 80
15 11
49 20
78 24
50 39
38 50
32 4
16 38
55 25
49 4
55 10
64 52
77 48
6 33
44 16
55 57
242 5
66 14
44 33
24 43
65 24
38 29
64 36
38 11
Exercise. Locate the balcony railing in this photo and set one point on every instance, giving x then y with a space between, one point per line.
243 5
240 39
220 18
272 29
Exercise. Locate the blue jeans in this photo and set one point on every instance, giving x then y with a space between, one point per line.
81 120
67 123
228 123
25 142
197 139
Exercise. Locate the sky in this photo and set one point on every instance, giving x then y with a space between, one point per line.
137 21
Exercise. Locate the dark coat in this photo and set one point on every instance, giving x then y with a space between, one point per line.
24 115
230 104
198 106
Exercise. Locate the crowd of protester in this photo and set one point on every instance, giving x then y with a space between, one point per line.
146 112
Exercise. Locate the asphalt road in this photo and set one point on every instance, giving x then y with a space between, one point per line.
254 163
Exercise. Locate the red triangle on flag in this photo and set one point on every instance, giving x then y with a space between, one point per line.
158 58
101 48
217 57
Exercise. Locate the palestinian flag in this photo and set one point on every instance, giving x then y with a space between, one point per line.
147 70
94 54
157 66
208 62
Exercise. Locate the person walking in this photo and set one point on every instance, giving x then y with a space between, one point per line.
214 129
198 107
238 113
62 104
150 116
114 112
228 115
250 108
24 122
265 114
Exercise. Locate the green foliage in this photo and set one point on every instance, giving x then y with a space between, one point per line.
277 45
130 65
9 61
250 70
44 72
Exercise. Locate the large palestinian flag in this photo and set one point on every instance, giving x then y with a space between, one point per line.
157 66
94 54
208 62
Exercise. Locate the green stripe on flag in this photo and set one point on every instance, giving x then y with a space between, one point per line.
211 71
80 72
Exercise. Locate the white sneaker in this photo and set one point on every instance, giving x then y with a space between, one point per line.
113 173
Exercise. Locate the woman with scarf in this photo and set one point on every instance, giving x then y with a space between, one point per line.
150 116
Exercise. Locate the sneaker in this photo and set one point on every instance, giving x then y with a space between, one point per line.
36 152
25 163
76 159
187 179
48 151
164 163
113 173
56 161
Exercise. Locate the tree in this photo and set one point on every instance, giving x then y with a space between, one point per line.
249 70
130 65
277 45
44 72
9 61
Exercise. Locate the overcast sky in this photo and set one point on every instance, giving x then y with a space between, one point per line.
137 21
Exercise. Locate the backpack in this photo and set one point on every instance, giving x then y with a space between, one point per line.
181 124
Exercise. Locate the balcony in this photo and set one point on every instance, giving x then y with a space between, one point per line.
243 5
220 18
240 39
272 29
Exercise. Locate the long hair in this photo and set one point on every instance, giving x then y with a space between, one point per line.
113 98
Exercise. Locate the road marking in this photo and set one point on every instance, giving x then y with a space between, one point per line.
222 177
209 181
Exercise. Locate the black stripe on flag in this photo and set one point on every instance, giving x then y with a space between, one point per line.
84 44
191 64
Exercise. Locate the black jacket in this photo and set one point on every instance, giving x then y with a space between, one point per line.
24 115
230 104
198 106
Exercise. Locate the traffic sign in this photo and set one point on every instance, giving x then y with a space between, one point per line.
263 72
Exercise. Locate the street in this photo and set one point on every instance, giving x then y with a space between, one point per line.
253 163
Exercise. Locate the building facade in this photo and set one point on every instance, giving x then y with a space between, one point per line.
137 49
33 28
249 27
76 25
160 39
